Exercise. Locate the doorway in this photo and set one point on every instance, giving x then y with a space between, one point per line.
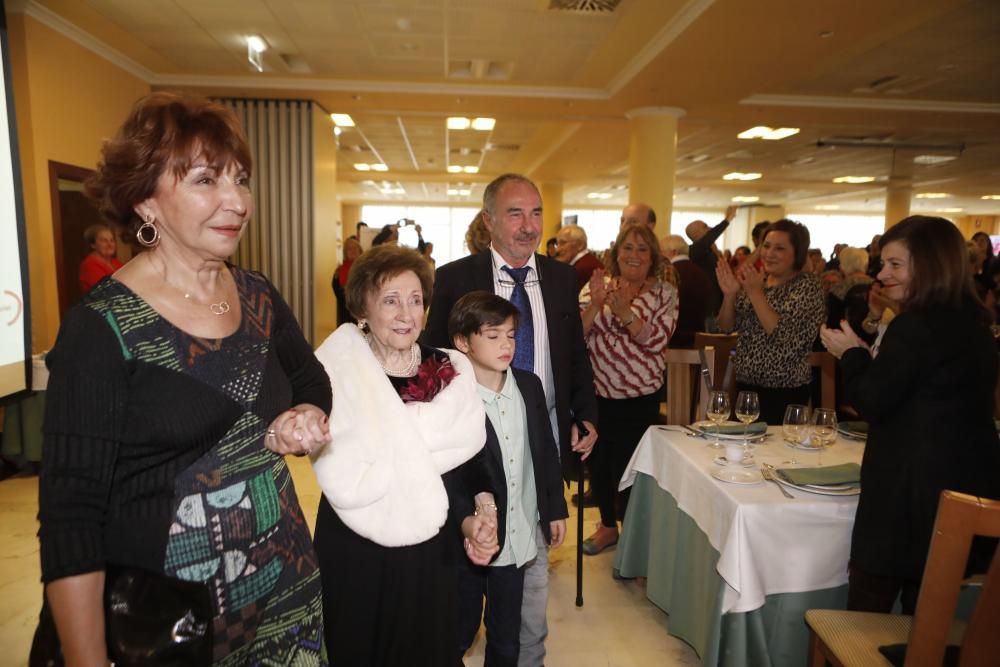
72 213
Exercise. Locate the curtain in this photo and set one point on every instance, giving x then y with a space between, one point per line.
279 239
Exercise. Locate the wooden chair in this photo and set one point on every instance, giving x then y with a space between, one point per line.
827 365
848 638
723 344
684 383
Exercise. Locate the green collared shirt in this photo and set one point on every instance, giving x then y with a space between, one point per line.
506 413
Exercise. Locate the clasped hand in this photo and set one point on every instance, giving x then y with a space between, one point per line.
480 531
301 430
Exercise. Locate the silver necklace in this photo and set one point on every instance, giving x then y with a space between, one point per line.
219 308
411 367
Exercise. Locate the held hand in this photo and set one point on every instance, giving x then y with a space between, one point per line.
558 529
598 291
727 280
585 445
838 341
302 430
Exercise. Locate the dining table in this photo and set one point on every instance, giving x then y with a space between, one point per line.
735 566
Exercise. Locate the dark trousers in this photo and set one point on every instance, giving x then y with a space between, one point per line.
622 421
877 593
774 400
502 586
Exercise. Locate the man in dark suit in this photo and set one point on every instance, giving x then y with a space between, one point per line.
693 288
571 248
512 213
705 255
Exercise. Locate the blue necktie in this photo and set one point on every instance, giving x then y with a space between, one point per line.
524 337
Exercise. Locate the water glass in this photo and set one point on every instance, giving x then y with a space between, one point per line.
824 430
747 411
718 412
795 426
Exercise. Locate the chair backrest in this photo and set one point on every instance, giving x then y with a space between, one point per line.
827 365
723 344
960 517
683 384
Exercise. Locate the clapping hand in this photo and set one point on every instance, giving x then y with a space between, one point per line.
838 341
750 279
301 430
727 279
598 290
878 301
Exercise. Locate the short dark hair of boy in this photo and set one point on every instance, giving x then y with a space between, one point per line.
479 309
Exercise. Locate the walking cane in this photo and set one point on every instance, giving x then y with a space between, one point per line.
583 432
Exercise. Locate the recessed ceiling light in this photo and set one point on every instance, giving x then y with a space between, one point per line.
745 200
854 179
740 176
342 120
950 210
458 123
471 170
361 166
826 207
768 133
932 195
598 195
380 167
934 159
454 169
483 124
256 43
993 197
458 192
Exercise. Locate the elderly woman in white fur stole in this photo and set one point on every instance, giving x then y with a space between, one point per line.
403 479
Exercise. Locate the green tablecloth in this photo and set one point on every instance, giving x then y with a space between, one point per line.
665 545
22 429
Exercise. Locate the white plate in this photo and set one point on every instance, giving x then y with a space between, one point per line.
723 461
737 476
702 425
821 490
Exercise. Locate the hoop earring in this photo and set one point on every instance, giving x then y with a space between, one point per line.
140 234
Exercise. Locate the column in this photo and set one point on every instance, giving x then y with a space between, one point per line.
652 160
552 208
899 192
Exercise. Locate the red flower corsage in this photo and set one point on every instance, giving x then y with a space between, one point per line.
432 376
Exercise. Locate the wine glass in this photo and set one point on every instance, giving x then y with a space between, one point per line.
747 411
824 430
718 412
795 425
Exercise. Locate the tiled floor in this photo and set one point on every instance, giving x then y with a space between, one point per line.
616 627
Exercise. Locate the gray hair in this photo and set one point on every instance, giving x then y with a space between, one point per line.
490 193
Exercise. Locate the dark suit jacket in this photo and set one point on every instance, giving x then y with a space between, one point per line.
584 267
571 371
544 461
704 257
928 398
693 293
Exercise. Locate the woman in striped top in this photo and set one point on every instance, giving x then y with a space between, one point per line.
628 319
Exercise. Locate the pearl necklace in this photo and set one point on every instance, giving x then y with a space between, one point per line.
408 371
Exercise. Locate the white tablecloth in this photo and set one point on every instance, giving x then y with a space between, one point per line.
767 543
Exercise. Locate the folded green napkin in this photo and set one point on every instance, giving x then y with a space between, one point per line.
845 473
859 428
756 428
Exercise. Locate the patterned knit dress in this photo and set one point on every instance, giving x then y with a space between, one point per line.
154 458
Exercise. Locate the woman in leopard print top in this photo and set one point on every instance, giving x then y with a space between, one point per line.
777 313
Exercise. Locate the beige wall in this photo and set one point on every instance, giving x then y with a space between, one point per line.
970 224
326 232
67 99
350 216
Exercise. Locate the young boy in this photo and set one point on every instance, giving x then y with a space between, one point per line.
523 466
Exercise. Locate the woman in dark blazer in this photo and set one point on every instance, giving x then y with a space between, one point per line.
928 397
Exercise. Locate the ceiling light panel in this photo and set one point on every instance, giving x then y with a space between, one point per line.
458 123
483 124
741 176
768 133
854 179
342 120
932 195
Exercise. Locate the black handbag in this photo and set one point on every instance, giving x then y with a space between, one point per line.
150 620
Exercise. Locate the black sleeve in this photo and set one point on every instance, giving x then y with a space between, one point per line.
338 290
86 400
310 383
463 483
711 236
583 401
